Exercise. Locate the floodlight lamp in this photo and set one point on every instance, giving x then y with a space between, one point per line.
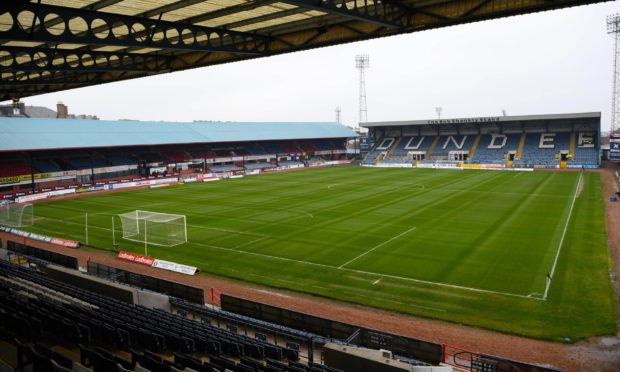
613 23
362 61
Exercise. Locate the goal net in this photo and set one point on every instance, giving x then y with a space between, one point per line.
16 214
154 228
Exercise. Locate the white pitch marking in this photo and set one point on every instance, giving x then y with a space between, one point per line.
251 242
90 214
298 211
65 220
229 231
369 272
347 269
510 193
259 236
376 247
193 226
557 253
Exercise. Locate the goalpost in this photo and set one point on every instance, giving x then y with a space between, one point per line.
16 214
154 228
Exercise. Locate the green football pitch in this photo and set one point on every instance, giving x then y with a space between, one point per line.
471 247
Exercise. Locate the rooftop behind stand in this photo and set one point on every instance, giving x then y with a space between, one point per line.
15 134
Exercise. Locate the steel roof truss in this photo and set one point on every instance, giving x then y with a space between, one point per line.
19 79
87 27
78 60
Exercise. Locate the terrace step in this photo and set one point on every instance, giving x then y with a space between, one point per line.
472 152
520 148
432 148
391 149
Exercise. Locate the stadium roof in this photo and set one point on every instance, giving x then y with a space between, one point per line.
54 45
485 119
18 134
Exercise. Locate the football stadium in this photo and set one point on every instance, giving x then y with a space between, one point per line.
484 243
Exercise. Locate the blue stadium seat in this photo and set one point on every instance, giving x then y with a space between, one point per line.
486 155
533 155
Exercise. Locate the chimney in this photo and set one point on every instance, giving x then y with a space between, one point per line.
62 111
19 108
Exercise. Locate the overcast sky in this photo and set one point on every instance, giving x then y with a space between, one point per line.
551 62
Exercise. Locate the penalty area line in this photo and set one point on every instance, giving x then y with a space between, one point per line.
377 246
228 231
381 276
251 242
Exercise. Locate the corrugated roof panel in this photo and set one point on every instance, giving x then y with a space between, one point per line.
109 49
133 7
70 46
69 4
277 21
45 134
22 44
190 11
137 7
242 16
145 50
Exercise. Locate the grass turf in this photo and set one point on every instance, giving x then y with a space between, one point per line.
472 247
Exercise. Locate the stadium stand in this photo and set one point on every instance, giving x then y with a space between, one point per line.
135 151
376 154
586 148
38 314
291 164
256 149
45 165
371 157
537 141
407 144
149 155
494 148
176 156
224 168
315 162
85 163
283 148
121 160
253 166
15 167
448 144
543 148
38 307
